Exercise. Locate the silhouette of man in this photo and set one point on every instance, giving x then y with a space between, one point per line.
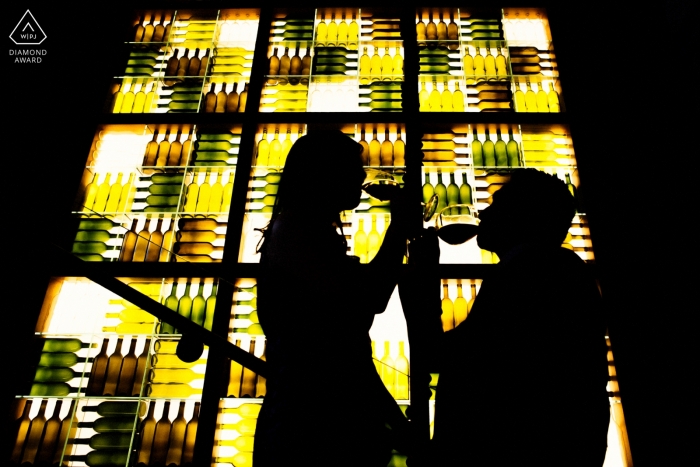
523 378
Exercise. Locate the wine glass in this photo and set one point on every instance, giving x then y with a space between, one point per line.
457 223
382 185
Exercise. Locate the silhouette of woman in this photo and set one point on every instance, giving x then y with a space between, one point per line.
325 403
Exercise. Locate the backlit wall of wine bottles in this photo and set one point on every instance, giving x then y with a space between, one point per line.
486 61
336 60
466 164
183 61
107 387
156 193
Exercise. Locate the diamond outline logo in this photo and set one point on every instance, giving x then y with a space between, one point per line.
27 21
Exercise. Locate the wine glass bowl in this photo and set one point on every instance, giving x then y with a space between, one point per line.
457 223
383 186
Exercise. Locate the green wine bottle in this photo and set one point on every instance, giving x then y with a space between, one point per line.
170 302
513 150
453 194
177 437
489 151
501 150
199 305
477 151
441 191
147 432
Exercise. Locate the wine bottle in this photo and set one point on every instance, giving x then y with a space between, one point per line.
446 98
468 63
453 194
501 67
460 306
142 243
490 64
542 99
184 305
442 32
447 309
343 30
216 195
128 99
148 31
465 191
530 98
388 373
387 65
295 66
177 437
431 31
373 240
161 437
489 150
435 99
458 99
399 150
209 306
50 438
501 151
375 66
275 149
441 192
190 436
424 98
171 69
386 150
365 67
232 100
114 364
203 64
147 432
195 63
285 65
470 303
452 33
221 97
139 99
332 32
512 150
421 32
90 194
553 99
98 372
175 152
210 99
321 32
360 241
479 66
199 306
286 147
183 65
428 189
163 150
117 408
139 30
402 374
101 195
243 98
34 434
374 150
519 97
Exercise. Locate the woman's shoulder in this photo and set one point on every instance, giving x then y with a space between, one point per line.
300 237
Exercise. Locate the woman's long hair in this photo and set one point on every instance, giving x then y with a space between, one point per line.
314 159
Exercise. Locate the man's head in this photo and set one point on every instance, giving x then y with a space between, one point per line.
533 207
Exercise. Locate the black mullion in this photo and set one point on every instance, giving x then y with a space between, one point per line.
245 150
215 382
